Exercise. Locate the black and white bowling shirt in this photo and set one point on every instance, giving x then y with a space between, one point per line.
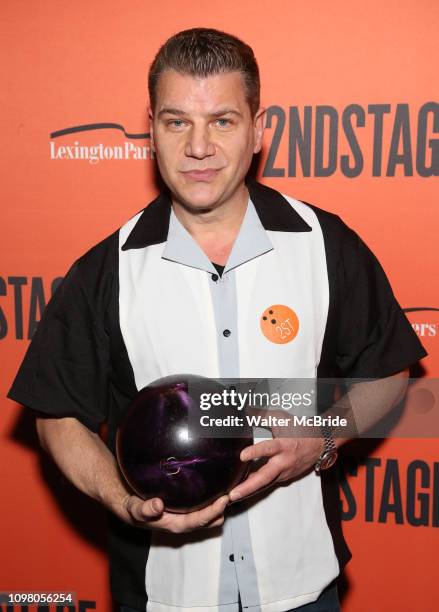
145 303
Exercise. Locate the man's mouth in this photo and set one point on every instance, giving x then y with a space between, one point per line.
201 175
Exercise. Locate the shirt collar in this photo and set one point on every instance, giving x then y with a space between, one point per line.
274 211
182 248
251 241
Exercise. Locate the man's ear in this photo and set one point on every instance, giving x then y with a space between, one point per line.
151 127
259 122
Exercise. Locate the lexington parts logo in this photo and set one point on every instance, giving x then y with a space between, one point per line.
135 147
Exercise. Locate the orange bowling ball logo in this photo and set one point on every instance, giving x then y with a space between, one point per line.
279 324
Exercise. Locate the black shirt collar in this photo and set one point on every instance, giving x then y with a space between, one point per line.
275 212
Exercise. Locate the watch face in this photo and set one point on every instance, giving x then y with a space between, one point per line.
328 460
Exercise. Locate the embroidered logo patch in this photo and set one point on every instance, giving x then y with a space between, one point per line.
279 324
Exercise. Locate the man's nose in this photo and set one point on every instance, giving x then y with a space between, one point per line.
199 142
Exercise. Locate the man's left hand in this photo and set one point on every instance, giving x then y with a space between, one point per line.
287 458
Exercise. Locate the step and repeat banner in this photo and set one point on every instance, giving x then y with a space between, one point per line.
353 127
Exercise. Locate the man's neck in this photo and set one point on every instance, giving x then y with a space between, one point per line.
215 230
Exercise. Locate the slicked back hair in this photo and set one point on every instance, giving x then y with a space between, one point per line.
203 52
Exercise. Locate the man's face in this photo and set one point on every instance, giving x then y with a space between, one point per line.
204 136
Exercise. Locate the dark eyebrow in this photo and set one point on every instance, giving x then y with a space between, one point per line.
226 111
180 113
171 111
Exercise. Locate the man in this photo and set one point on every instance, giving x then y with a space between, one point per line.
186 286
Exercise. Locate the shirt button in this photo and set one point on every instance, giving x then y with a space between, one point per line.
226 333
215 277
231 557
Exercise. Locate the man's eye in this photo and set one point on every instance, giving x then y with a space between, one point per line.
223 122
176 123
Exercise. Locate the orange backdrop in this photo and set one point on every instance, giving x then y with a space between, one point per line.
355 81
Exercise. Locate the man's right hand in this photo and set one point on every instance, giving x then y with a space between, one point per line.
151 515
87 462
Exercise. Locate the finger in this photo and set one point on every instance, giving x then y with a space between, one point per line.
152 508
143 511
267 448
205 516
263 477
217 523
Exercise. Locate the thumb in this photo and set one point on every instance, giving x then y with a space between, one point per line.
151 508
141 510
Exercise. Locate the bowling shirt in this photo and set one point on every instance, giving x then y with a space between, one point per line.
146 303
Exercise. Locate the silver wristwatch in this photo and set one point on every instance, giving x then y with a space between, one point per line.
329 453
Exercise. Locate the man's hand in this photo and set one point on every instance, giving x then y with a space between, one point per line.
84 458
150 514
366 403
287 458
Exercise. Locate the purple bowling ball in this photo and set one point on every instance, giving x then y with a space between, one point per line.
160 455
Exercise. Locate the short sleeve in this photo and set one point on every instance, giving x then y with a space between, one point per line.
375 338
65 370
